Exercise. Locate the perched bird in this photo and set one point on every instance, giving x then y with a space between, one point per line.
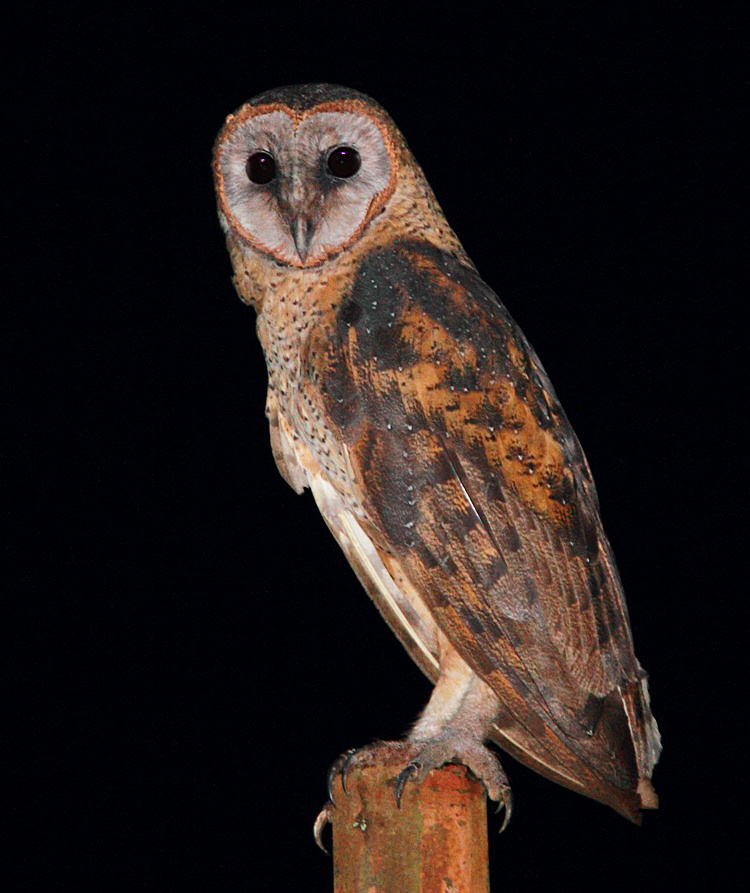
401 392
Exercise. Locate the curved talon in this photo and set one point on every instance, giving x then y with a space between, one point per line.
340 765
323 818
346 763
505 803
330 782
412 769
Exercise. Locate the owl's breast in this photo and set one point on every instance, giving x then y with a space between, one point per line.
294 347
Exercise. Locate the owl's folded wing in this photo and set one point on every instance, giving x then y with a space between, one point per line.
474 482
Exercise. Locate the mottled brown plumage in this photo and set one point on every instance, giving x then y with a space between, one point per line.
403 394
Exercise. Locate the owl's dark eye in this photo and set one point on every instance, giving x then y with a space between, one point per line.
344 162
261 167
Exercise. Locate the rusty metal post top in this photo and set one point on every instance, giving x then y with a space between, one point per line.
436 842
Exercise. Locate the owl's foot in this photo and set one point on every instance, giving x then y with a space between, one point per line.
377 753
474 755
420 757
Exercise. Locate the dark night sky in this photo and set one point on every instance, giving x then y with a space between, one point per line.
190 648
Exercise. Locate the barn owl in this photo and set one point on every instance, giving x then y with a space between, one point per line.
403 395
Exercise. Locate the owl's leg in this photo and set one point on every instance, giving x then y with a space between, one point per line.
455 686
455 683
453 728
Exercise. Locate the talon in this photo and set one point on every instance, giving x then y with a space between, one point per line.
347 762
506 803
340 766
404 776
331 779
324 817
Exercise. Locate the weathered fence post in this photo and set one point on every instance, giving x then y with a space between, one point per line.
436 842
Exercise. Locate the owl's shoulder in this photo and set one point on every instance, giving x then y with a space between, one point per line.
412 305
413 282
421 342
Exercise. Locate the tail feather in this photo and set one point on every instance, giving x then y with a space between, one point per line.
643 729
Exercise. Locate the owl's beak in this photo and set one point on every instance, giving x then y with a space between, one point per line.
297 201
302 231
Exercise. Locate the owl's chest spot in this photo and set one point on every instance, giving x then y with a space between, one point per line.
283 332
294 379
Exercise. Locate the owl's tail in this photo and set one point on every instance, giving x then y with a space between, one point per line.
613 766
645 735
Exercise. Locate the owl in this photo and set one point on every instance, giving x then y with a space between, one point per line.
405 397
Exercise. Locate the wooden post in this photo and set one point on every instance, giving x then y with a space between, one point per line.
436 842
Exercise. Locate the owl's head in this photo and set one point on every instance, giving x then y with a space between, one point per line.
301 171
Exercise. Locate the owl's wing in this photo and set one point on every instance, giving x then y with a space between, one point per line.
473 481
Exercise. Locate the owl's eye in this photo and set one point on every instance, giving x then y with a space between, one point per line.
344 162
261 167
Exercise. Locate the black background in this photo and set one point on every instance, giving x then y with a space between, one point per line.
190 648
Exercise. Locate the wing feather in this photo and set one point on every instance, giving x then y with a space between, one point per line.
472 478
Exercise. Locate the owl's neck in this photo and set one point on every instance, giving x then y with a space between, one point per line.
297 305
